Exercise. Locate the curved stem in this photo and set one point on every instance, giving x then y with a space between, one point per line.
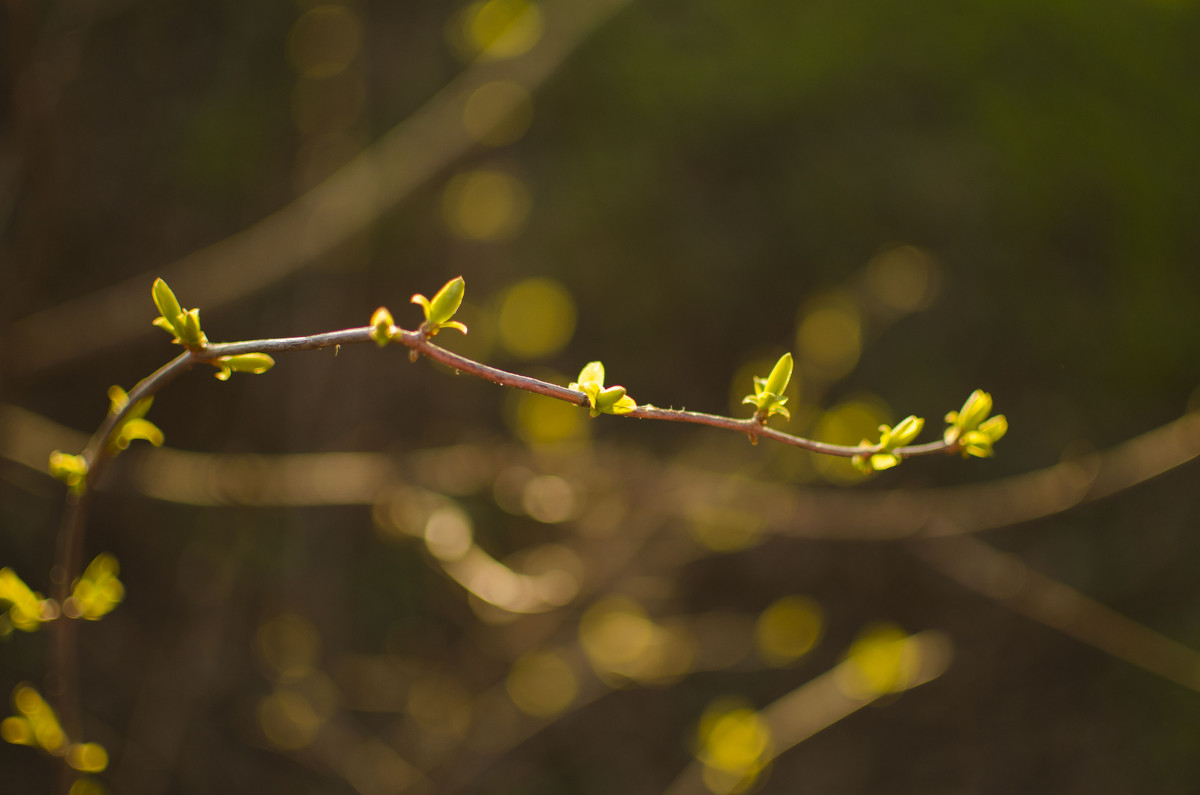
63 679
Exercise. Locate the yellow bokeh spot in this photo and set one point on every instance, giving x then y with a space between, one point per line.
556 572
543 420
288 719
485 205
903 278
829 338
87 757
725 530
622 642
17 731
788 629
324 40
497 29
537 318
87 786
498 113
615 632
735 747
882 660
28 610
448 534
542 684
40 725
97 591
549 499
848 424
288 645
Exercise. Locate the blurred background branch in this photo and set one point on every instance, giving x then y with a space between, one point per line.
342 205
341 578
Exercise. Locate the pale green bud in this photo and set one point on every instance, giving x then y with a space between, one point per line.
168 306
994 427
381 326
974 411
777 381
905 431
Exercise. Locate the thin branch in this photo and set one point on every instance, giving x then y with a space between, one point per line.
100 450
823 701
416 341
1007 579
297 234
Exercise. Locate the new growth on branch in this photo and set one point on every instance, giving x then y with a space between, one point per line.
970 431
92 593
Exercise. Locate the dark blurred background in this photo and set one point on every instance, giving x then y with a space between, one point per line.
493 593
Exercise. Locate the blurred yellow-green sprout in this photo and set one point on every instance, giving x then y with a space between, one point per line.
27 609
70 469
98 591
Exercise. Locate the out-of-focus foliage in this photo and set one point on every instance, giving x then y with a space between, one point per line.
395 579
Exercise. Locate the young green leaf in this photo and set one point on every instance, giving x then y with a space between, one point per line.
905 431
183 324
971 430
443 307
256 363
768 398
602 400
168 307
70 469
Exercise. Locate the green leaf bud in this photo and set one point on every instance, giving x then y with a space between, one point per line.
138 428
193 336
768 397
592 373
862 462
441 309
994 427
447 300
381 326
882 461
118 399
905 431
611 400
168 306
777 381
608 398
166 326
976 443
256 363
968 418
70 469
974 411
